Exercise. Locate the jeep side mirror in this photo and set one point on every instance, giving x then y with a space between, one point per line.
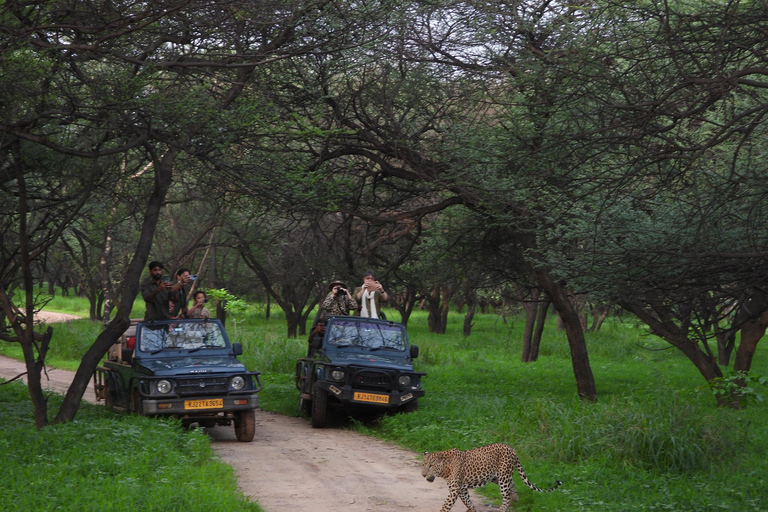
414 351
237 349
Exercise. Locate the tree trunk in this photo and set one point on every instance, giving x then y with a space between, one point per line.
444 309
34 370
93 356
541 317
405 304
433 311
599 314
706 364
531 308
292 319
26 331
585 381
468 318
751 333
221 311
305 316
437 306
726 342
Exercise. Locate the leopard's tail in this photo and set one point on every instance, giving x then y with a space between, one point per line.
522 474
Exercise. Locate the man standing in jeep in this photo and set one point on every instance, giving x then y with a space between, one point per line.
370 295
156 293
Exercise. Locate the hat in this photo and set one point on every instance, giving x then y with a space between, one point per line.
334 283
153 264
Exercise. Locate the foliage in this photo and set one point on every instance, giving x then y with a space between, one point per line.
608 149
103 461
740 386
232 305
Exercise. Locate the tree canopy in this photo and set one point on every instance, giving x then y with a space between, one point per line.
579 149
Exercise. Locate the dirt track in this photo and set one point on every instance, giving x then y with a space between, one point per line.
291 466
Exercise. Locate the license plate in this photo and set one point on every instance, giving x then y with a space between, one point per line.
371 397
213 403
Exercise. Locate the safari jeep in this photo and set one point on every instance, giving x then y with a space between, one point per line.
187 369
358 363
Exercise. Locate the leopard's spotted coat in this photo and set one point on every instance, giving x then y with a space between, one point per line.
474 468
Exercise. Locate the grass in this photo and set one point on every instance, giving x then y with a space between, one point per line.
103 461
653 441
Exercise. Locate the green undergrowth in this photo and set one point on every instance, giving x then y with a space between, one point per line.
104 461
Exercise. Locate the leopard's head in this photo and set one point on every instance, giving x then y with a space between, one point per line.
436 464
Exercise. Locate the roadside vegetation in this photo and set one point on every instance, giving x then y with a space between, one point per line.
102 461
654 440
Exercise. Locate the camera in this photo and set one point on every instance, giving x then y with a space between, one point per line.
340 291
166 279
193 277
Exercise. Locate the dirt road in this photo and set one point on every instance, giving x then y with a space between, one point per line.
291 466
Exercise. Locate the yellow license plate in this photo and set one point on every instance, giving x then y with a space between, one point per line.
213 403
371 397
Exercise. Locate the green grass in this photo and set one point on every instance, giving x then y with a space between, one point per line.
103 461
653 441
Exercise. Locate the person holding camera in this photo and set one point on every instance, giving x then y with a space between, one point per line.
338 301
156 292
179 293
370 295
198 309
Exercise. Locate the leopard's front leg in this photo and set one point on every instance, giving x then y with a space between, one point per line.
453 494
464 495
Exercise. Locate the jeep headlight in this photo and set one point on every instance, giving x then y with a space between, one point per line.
337 375
163 386
404 381
237 383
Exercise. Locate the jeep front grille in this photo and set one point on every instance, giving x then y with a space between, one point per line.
203 385
371 378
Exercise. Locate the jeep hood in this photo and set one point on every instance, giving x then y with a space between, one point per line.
193 365
377 359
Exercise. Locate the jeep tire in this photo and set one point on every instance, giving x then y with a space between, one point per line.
245 425
319 406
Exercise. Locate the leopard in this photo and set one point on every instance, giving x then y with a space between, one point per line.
466 469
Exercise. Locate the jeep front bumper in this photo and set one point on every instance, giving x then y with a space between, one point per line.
199 405
382 398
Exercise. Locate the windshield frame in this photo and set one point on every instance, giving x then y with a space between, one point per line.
185 335
365 335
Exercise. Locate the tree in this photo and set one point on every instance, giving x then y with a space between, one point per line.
427 135
146 82
293 261
676 236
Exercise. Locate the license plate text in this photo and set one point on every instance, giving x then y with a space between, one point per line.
211 403
371 397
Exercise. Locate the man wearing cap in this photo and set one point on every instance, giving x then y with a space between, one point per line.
156 292
339 301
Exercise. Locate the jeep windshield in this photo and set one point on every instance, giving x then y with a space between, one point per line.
185 335
365 335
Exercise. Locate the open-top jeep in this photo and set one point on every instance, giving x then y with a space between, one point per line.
358 363
182 368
